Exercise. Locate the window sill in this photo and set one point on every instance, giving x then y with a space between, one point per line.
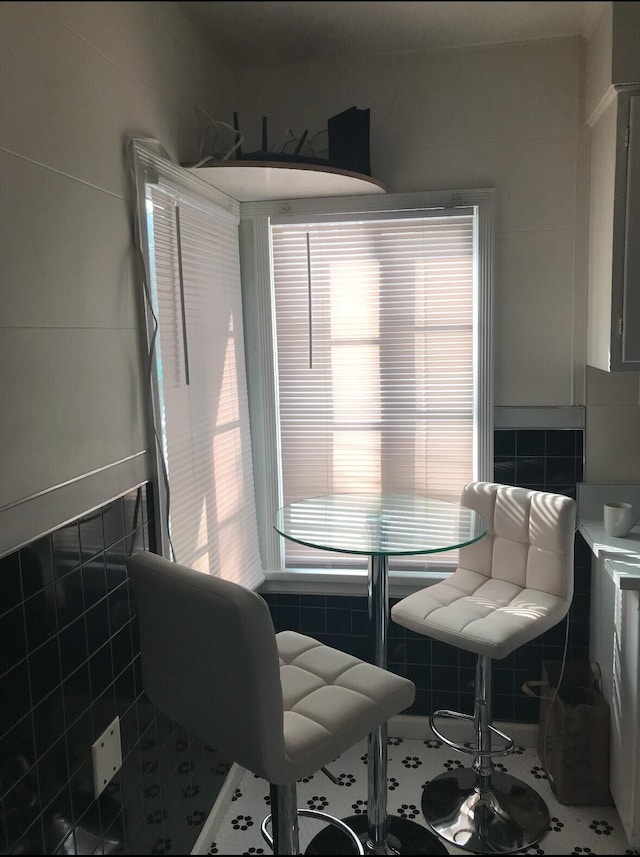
306 581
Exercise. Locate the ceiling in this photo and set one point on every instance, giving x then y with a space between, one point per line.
274 33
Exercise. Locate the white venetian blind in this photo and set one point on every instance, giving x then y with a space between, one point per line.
195 282
375 347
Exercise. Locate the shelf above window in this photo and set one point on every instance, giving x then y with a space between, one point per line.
256 181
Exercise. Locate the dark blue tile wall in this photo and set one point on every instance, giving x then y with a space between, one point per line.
544 459
69 663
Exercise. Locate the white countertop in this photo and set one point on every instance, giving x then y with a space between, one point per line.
621 556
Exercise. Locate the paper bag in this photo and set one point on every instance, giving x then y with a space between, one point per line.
573 733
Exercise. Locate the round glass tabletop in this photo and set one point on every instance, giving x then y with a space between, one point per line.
379 524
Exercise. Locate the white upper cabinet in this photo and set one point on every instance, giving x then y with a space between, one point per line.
613 340
612 112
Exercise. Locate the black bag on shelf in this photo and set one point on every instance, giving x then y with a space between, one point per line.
349 141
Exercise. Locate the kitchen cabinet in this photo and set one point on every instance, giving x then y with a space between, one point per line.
613 337
615 646
614 640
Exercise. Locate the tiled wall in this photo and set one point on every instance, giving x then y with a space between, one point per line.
444 676
69 663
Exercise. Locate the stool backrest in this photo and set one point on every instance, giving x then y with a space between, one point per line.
210 660
530 537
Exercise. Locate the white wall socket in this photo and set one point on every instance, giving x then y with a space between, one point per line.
106 757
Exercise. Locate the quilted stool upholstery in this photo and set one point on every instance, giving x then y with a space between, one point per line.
510 587
282 706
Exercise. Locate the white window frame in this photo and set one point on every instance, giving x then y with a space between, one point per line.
259 319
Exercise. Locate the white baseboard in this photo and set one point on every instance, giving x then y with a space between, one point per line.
219 810
404 726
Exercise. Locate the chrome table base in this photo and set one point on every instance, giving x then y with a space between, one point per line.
378 832
509 817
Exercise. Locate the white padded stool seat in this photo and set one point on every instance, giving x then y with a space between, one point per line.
331 700
511 586
282 706
485 617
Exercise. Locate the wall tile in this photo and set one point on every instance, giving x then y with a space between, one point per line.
36 565
504 443
69 662
40 618
113 522
65 544
44 670
91 535
13 638
530 442
561 442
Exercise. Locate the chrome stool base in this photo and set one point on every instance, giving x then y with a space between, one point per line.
346 838
509 817
403 837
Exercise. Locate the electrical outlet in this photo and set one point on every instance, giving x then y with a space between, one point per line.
106 757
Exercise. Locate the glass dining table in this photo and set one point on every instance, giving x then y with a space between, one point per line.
379 526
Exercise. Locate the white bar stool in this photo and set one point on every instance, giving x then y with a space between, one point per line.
282 706
510 587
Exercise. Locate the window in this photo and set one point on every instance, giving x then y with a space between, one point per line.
379 327
197 370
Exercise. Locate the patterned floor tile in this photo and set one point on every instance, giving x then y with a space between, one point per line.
576 830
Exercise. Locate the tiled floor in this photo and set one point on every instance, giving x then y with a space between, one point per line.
573 830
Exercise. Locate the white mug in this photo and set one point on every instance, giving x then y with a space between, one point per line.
618 519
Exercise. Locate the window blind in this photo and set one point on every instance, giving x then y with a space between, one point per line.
200 373
375 358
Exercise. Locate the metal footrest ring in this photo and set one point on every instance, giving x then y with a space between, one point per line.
322 816
473 751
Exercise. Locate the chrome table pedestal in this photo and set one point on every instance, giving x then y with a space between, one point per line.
379 526
379 832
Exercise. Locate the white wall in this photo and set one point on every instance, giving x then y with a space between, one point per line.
598 62
78 79
508 117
